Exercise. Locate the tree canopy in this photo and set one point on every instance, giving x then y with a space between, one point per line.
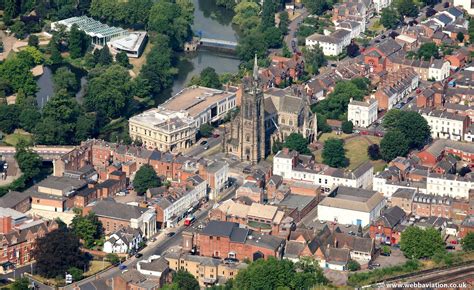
417 243
389 18
183 280
145 178
406 8
314 59
411 124
297 142
276 274
347 127
427 51
88 228
334 153
468 242
207 78
56 252
393 144
317 7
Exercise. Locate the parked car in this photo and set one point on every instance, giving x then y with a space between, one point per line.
122 267
247 170
454 242
450 247
215 135
170 234
386 254
138 255
204 143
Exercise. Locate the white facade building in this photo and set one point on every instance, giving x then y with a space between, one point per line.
347 205
445 125
449 184
354 27
381 4
362 114
175 208
288 165
123 241
468 5
388 187
332 44
439 70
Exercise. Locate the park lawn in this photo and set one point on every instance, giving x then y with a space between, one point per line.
13 139
139 62
356 150
96 266
330 135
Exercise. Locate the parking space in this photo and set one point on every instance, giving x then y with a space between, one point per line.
396 258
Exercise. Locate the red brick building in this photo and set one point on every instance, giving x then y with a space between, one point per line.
225 239
387 228
467 226
17 241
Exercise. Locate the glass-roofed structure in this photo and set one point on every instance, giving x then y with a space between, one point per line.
99 32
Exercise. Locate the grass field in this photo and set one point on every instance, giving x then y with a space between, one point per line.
139 62
14 138
356 149
95 267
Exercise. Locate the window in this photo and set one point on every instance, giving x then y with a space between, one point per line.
211 237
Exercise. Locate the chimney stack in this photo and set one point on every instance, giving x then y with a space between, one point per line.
5 224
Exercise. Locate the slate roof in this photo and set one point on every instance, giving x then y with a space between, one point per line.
157 265
392 216
112 209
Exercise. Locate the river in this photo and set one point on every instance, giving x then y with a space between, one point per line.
210 21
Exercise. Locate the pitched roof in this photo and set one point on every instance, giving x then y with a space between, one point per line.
353 199
392 216
112 209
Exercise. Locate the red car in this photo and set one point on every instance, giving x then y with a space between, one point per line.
454 242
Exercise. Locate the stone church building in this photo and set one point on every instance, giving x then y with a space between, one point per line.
266 117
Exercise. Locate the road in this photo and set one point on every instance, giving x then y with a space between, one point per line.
293 26
162 244
197 149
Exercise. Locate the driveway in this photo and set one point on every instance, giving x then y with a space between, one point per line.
396 258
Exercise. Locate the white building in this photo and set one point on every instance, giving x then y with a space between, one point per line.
450 185
362 114
467 5
292 166
123 241
354 27
388 187
347 205
381 4
446 125
217 173
204 105
469 134
176 206
154 266
133 44
439 70
332 44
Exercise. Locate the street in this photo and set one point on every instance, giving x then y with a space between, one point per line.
197 149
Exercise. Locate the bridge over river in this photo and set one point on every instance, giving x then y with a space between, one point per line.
48 153
217 43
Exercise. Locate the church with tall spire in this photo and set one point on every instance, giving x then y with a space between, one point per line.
266 117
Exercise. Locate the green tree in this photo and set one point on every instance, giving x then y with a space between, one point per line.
20 284
250 44
460 36
317 7
353 266
468 242
391 119
17 68
393 144
88 228
168 18
386 250
209 78
427 51
406 8
57 252
105 57
272 37
55 57
19 29
33 41
183 280
76 273
373 151
352 49
114 259
79 42
471 29
28 161
347 127
109 91
246 15
157 71
206 130
314 59
8 118
29 117
415 128
122 59
268 14
85 127
297 142
417 243
389 18
284 22
334 153
145 178
65 79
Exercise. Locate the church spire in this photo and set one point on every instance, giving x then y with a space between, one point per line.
255 68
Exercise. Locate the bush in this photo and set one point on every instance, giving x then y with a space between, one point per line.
347 127
113 258
353 265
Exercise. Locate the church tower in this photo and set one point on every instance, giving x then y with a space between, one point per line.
252 119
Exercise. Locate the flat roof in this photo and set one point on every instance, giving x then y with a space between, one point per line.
196 99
